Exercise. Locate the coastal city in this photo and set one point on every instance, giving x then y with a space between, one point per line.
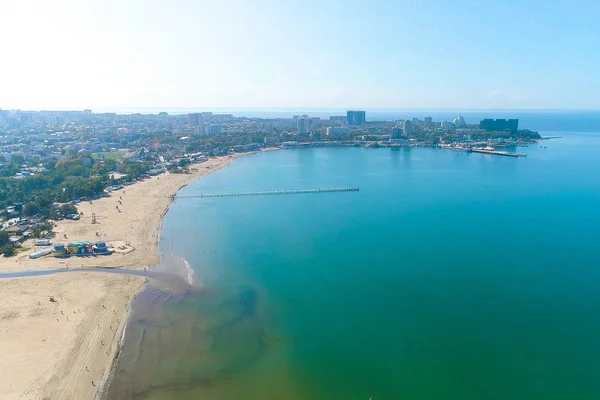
52 159
164 139
315 200
152 136
84 191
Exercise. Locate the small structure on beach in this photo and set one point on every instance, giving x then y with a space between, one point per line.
59 250
41 253
101 248
81 249
42 242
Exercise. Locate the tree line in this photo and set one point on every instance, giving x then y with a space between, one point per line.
65 180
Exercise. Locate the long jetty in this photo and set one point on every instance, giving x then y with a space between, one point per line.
498 152
273 192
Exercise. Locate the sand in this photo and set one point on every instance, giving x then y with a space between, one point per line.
56 350
45 347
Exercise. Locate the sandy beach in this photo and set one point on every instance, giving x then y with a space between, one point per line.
65 349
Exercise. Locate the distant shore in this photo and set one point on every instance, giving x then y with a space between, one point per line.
65 349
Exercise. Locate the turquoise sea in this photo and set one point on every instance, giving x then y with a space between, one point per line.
448 276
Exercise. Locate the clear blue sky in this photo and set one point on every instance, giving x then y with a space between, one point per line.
373 54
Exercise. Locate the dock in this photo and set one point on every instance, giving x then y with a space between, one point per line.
497 152
273 192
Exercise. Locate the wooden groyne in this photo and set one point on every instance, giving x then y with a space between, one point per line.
273 192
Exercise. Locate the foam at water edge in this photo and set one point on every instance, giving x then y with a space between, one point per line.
190 272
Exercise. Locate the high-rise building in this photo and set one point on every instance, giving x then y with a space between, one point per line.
355 117
396 132
195 119
26 118
3 117
304 124
407 128
336 130
511 125
87 111
428 120
447 126
338 120
207 129
13 122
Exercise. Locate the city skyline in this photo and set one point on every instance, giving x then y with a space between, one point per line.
235 55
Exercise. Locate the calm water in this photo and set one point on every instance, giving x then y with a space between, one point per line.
448 276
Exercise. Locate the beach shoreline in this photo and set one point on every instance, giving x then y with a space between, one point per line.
72 346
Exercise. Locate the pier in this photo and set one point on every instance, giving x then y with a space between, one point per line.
273 192
497 152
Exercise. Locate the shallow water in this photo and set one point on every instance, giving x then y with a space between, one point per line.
448 276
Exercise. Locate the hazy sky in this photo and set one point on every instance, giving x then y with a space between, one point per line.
460 54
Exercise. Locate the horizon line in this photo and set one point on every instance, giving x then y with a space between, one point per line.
140 110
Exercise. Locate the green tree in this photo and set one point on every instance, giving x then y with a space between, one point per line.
41 228
8 250
67 209
4 238
31 209
95 185
17 159
44 199
110 165
10 169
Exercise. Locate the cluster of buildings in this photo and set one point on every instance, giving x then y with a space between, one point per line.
167 141
163 138
206 123
60 134
19 229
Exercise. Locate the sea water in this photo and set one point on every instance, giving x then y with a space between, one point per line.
447 276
